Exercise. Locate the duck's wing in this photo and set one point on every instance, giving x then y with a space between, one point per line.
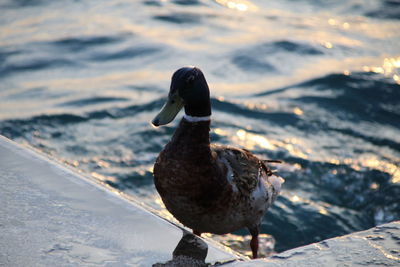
245 170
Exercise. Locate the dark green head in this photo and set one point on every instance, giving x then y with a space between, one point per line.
188 89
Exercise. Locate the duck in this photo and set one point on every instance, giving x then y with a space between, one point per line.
207 187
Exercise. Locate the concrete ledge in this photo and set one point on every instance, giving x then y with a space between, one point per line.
378 246
51 216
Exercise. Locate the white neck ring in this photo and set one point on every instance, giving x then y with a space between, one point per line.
196 119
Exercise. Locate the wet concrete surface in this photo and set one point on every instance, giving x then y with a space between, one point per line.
378 246
50 216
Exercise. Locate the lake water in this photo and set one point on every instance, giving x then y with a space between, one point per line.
315 84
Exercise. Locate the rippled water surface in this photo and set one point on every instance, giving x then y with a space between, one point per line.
313 83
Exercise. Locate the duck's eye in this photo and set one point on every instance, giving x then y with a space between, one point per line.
190 79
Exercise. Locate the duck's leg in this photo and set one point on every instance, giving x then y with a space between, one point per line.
196 233
254 231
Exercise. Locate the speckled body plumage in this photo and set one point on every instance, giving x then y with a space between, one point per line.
215 189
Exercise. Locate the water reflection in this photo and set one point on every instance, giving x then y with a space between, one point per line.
240 5
294 146
190 251
390 68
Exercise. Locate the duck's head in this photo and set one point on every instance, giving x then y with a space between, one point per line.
188 89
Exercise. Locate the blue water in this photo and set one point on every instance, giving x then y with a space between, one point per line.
315 84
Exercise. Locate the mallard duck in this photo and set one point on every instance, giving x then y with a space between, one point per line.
209 188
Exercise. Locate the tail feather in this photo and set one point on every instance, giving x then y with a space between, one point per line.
276 182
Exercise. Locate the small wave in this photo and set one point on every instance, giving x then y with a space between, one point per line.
281 118
370 139
389 9
6 53
133 180
254 58
187 2
343 200
17 127
132 110
31 93
54 119
152 3
117 113
93 101
249 63
340 81
327 82
309 222
35 65
22 3
291 47
355 97
179 18
82 43
359 96
282 46
127 53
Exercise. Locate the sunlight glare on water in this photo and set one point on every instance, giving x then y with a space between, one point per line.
240 5
390 68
